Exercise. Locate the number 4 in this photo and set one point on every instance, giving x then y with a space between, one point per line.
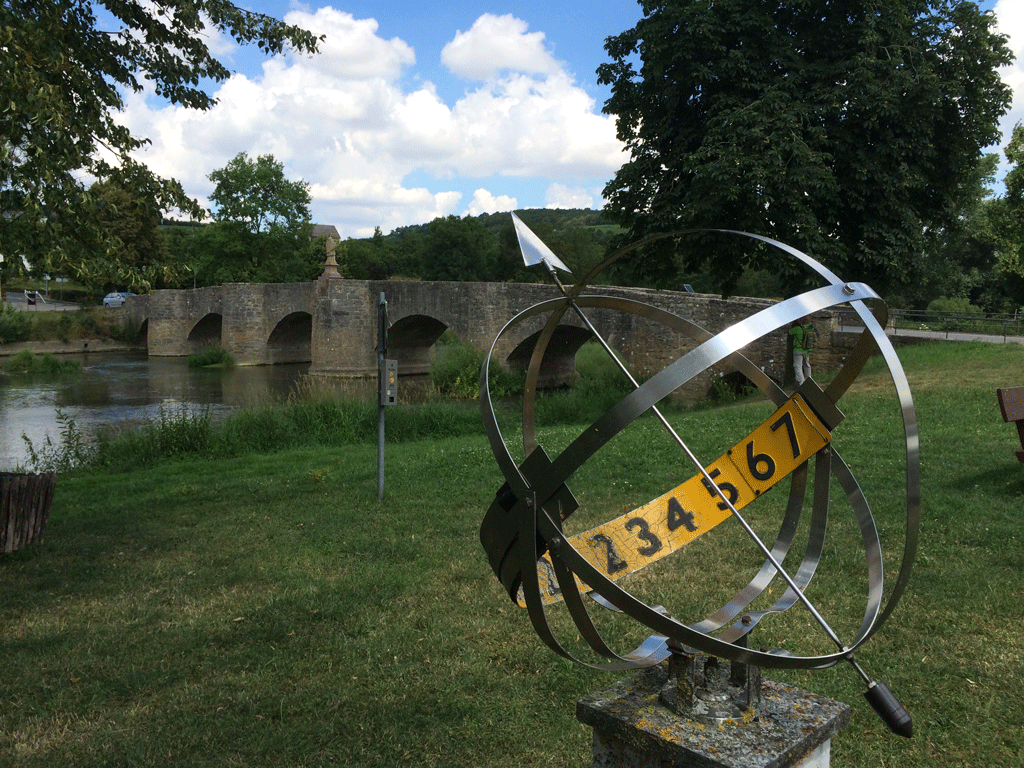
678 516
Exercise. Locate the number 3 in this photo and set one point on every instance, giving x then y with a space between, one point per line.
653 542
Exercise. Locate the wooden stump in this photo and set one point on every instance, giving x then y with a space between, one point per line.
24 508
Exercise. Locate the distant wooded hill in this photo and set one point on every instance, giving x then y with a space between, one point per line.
480 247
473 248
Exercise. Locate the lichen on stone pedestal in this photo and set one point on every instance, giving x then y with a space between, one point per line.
631 721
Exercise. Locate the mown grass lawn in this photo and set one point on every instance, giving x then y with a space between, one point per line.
268 610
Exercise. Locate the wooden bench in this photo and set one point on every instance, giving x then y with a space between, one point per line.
1011 403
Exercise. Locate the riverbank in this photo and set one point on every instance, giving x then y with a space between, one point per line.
86 329
70 347
122 388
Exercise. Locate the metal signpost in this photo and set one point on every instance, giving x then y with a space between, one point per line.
387 386
542 565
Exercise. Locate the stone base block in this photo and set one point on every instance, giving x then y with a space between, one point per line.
632 729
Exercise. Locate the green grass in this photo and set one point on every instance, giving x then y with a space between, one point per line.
210 357
25 362
268 610
85 323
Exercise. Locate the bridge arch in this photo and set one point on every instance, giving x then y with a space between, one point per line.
207 332
291 339
141 338
411 342
559 364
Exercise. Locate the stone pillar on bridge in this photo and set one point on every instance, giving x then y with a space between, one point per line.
344 335
168 315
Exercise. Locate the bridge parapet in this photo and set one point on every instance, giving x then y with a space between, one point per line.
332 324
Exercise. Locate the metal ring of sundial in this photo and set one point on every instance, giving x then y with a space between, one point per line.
539 564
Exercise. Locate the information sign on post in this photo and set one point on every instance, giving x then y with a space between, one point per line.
389 383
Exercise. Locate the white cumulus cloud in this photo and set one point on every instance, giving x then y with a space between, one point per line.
562 196
484 202
357 123
497 43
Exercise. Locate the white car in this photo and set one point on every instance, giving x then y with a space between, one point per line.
115 299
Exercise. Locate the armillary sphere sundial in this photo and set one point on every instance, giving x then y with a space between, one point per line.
539 562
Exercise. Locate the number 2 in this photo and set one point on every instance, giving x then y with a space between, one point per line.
615 563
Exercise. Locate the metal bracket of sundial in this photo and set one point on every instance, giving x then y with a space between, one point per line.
512 516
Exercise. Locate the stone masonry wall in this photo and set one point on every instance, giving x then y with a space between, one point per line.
341 316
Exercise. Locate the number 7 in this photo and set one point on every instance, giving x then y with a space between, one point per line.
787 419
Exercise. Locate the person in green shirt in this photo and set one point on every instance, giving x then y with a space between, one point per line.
802 335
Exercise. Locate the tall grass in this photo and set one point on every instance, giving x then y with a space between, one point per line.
599 385
72 451
321 413
176 434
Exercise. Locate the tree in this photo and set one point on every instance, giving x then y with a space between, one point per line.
63 77
457 249
959 260
139 261
257 195
841 128
262 224
1007 214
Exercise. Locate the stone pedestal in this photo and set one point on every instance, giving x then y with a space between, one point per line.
634 729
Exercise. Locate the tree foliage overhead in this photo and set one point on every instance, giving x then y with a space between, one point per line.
63 80
842 127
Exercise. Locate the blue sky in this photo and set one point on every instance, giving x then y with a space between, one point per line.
415 110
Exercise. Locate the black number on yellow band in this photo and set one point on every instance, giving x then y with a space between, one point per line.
615 563
728 488
678 516
653 542
754 459
787 419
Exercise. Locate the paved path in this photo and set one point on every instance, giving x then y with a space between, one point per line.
17 300
945 335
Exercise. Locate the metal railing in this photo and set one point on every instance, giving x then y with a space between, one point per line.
979 323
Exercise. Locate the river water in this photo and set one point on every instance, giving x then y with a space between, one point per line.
125 388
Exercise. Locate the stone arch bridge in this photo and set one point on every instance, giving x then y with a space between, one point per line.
332 324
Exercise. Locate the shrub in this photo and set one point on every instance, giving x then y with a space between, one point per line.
14 325
211 356
456 373
958 306
25 362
